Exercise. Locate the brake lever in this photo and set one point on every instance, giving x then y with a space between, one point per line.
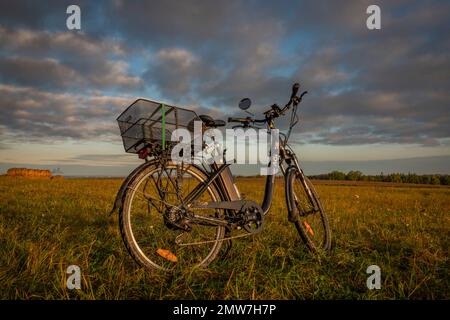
303 93
297 99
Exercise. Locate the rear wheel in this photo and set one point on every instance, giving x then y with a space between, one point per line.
308 214
153 225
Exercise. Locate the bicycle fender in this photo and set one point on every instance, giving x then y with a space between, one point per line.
292 211
120 194
124 186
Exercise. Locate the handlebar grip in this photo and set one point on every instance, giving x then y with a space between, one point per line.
295 88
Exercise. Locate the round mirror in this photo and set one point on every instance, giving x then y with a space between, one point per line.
245 103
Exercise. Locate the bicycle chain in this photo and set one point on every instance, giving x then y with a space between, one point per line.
206 241
211 241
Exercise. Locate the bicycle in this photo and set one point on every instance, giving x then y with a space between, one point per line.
174 215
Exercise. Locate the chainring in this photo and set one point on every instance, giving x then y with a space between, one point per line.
253 217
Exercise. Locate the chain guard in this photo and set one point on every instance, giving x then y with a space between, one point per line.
248 214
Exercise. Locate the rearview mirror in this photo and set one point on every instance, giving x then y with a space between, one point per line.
245 103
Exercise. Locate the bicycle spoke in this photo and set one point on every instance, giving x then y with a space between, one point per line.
312 223
155 231
149 199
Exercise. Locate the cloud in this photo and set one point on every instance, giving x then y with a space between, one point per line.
29 72
230 45
41 42
174 71
32 115
366 87
68 60
106 160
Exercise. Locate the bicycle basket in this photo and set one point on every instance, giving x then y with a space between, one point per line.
148 122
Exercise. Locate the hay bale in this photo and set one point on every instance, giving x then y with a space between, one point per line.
29 173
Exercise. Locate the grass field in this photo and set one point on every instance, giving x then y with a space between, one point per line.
47 225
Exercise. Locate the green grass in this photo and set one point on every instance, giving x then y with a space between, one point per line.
47 225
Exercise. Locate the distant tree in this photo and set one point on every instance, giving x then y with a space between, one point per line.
354 175
445 180
395 177
413 178
435 180
425 179
336 175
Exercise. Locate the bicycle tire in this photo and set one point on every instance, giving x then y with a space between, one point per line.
126 228
298 183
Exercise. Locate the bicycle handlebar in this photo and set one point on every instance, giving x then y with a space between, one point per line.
248 119
275 111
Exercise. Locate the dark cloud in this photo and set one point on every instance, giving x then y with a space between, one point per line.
49 14
29 72
175 72
386 86
32 115
69 45
29 13
68 60
203 26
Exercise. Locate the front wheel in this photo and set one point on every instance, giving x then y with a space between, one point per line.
306 212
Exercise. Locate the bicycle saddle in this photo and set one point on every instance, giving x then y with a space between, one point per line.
210 122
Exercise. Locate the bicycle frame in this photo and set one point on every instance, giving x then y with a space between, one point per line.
222 177
226 182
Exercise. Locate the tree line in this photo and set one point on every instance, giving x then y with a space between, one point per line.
435 179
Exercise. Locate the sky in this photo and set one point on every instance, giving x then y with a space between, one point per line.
378 99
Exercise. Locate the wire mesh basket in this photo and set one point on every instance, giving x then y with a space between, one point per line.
147 122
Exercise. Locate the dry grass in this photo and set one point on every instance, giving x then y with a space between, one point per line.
47 225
